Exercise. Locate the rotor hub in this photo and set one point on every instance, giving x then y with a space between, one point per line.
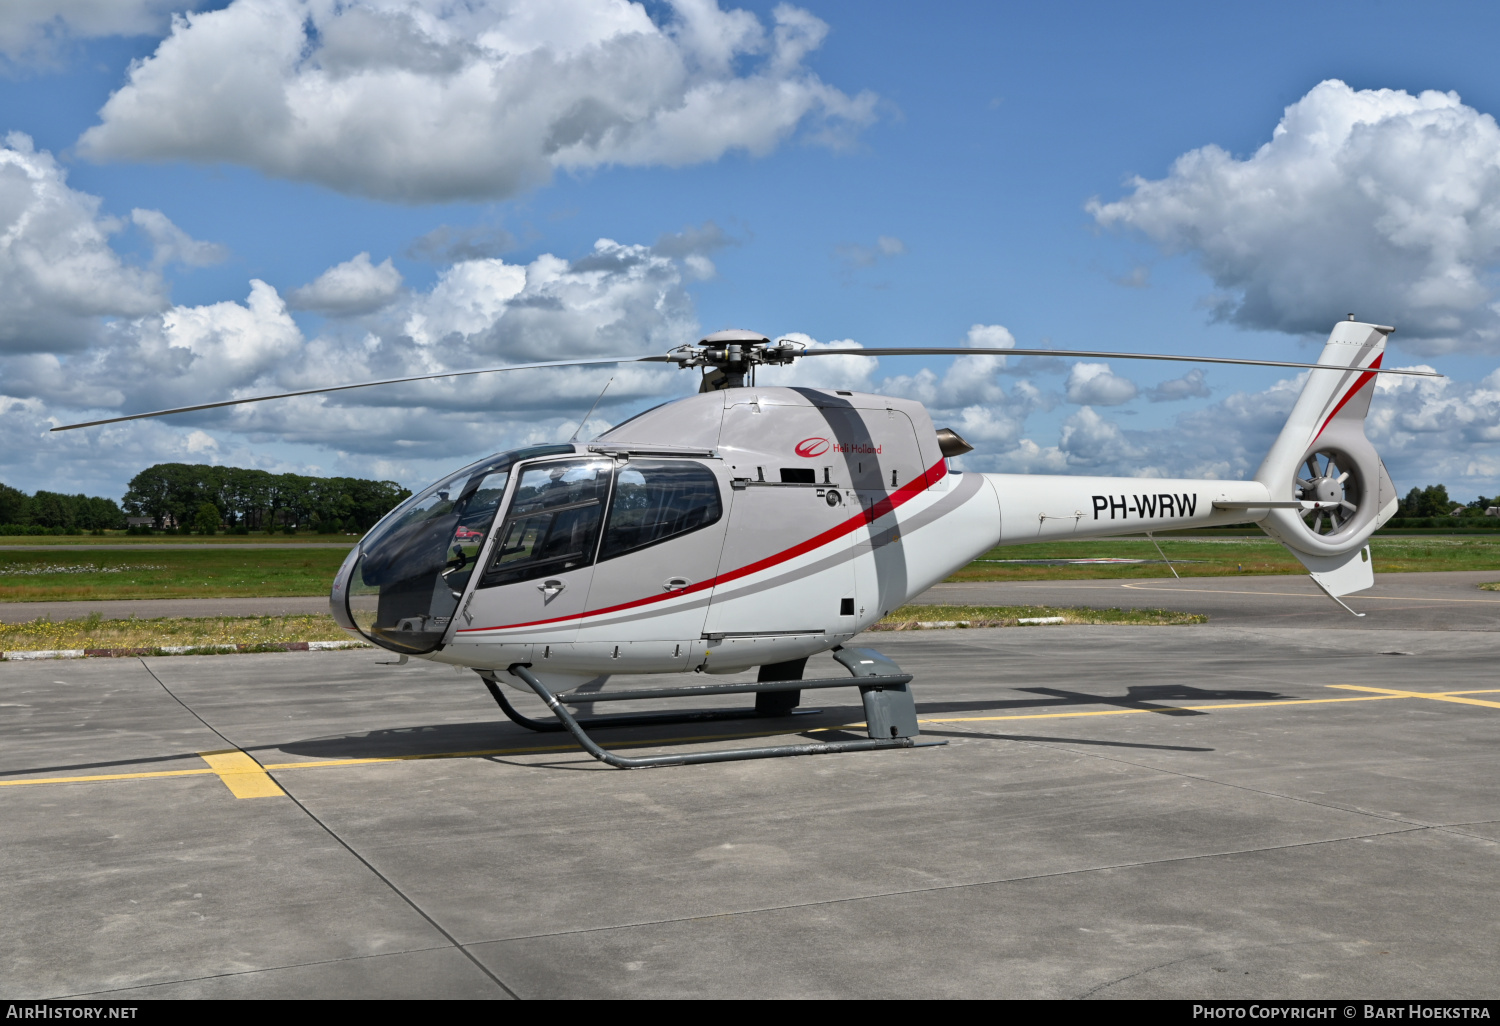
1328 490
733 356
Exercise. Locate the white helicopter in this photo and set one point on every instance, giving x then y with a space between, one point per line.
751 526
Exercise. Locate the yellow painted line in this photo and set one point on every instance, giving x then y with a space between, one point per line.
244 777
1436 696
107 776
536 750
1166 709
240 772
543 748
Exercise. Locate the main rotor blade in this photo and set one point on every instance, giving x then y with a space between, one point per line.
598 361
1104 356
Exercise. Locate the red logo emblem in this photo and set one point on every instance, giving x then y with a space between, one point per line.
809 448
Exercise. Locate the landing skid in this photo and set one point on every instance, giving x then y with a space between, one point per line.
890 713
623 719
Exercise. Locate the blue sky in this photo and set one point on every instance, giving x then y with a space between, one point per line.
929 181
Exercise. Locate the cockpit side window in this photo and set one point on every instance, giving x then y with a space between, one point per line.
553 522
414 565
656 500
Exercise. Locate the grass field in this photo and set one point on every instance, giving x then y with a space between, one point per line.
95 632
79 574
121 538
1221 557
909 617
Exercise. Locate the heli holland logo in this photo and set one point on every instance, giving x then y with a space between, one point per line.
811 448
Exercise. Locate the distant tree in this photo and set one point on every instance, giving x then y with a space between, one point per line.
166 492
257 499
54 509
207 519
371 500
1431 501
15 506
296 499
98 514
249 495
51 509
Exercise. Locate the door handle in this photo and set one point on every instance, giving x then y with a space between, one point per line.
550 589
676 583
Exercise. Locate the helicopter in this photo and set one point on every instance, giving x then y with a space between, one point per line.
748 527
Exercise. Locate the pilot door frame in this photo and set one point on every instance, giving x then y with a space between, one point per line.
712 462
502 515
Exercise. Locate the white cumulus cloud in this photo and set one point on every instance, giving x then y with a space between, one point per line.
1096 443
1372 201
428 101
34 28
1438 430
967 396
1093 384
617 299
58 273
852 373
968 380
1191 385
353 287
171 245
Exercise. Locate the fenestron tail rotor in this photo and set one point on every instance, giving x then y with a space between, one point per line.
728 359
1329 487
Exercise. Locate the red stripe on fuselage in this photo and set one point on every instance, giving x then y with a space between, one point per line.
1364 378
899 497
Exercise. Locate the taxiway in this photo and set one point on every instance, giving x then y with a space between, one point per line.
1211 811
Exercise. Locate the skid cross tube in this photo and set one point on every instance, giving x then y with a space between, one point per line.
700 716
652 761
739 689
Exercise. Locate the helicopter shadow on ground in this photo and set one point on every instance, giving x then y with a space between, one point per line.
486 736
1147 698
418 741
492 737
146 760
1039 740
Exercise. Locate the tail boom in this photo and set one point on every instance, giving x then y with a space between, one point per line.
1036 508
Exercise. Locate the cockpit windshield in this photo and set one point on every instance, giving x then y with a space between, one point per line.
414 564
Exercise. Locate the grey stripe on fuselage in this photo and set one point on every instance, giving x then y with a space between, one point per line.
968 484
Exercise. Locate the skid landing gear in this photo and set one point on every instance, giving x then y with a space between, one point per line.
890 713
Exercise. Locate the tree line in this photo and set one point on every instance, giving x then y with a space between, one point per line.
205 498
1432 507
201 497
54 511
181 496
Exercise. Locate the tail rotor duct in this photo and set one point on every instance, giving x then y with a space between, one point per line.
1329 485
